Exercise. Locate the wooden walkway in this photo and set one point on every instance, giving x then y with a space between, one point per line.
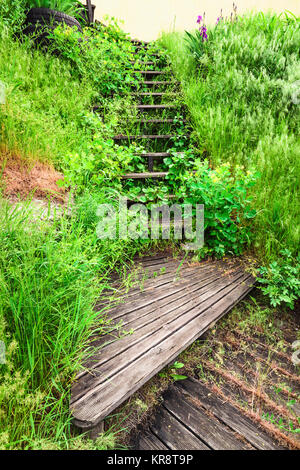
178 302
193 417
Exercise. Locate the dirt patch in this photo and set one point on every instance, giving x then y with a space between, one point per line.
20 179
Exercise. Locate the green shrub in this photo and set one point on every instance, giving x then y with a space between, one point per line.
281 280
102 164
225 197
100 55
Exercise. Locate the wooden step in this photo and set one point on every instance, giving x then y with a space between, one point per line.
159 121
138 43
227 413
154 154
151 72
149 93
143 136
141 62
153 54
151 156
141 176
192 410
156 83
156 106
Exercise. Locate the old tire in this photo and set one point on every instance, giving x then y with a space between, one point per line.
41 20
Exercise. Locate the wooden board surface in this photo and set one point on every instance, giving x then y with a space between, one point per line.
193 417
178 302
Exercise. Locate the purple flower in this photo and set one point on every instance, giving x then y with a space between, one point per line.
203 32
199 19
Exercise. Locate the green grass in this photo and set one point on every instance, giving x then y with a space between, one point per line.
239 96
49 96
51 275
43 117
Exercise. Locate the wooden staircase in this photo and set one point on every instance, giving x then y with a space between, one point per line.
151 94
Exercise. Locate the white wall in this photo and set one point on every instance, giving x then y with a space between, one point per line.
145 19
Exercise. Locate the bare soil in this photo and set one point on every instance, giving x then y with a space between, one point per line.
21 179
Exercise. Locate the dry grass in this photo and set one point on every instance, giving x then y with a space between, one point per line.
21 178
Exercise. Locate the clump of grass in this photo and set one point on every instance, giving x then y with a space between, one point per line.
43 117
239 92
51 275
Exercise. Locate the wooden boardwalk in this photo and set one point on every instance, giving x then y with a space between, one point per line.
178 302
193 417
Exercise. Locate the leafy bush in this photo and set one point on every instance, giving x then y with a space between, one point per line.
100 55
281 280
103 163
224 195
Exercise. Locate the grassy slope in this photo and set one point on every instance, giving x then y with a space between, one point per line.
242 112
51 274
42 118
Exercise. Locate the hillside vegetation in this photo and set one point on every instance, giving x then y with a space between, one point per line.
241 86
237 90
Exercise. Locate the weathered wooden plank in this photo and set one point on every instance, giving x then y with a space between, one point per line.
148 441
174 434
228 414
144 299
155 297
209 429
151 72
150 93
158 309
158 121
155 83
147 136
160 280
91 409
210 286
111 334
95 366
188 293
156 260
119 354
154 174
179 269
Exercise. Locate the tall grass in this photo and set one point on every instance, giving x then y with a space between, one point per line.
43 117
51 275
239 95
